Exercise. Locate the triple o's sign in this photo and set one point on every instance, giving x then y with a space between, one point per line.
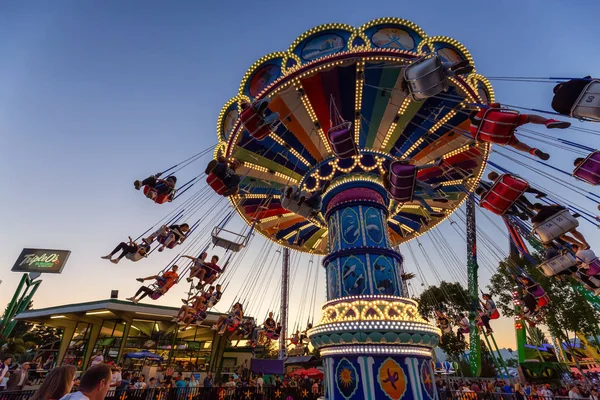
41 260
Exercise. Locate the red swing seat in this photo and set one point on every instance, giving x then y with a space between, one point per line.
495 314
497 126
253 123
159 198
504 192
216 183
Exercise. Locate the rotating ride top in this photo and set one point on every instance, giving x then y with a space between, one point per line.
349 143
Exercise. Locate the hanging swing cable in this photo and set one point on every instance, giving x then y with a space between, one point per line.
182 164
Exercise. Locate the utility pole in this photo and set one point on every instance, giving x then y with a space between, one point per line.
285 275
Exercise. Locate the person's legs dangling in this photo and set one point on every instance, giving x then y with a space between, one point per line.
120 247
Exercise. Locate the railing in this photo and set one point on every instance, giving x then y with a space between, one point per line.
198 393
462 395
16 395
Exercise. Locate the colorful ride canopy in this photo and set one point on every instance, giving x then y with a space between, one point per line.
358 72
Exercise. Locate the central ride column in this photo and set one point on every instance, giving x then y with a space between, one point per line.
373 341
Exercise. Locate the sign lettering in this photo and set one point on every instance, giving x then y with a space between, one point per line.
41 260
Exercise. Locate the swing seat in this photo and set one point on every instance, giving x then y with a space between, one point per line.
497 126
271 335
555 226
504 192
426 77
342 141
216 183
156 295
587 106
558 264
402 178
162 239
211 274
543 301
233 327
591 269
464 330
229 240
157 198
200 316
589 170
293 206
495 314
253 120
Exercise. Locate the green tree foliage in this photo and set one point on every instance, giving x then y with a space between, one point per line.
536 336
488 368
451 295
453 347
568 312
42 335
454 299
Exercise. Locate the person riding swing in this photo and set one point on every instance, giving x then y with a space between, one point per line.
163 283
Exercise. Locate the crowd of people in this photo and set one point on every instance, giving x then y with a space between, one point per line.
503 389
102 380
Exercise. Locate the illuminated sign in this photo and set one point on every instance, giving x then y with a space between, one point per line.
41 260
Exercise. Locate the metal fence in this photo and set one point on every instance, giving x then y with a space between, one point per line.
462 395
199 393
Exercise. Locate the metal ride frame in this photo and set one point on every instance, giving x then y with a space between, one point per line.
20 301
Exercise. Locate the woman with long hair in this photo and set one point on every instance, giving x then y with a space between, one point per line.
58 383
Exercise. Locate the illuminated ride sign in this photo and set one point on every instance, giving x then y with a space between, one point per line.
41 260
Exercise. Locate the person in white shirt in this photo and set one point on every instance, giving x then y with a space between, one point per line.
132 251
116 376
140 384
193 382
260 383
94 384
5 365
585 256
4 381
574 393
97 359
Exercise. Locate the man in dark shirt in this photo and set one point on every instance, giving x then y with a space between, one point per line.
545 212
567 93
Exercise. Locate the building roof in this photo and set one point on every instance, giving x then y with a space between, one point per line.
103 310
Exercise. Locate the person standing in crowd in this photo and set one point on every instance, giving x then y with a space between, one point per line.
124 385
140 384
18 379
116 377
5 366
545 391
94 384
97 359
4 381
49 362
574 393
260 382
152 383
57 383
180 382
208 380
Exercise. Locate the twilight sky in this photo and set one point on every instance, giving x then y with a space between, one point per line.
94 95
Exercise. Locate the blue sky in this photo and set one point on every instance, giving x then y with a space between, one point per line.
94 95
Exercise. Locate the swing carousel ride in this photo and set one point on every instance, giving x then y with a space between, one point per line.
354 142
